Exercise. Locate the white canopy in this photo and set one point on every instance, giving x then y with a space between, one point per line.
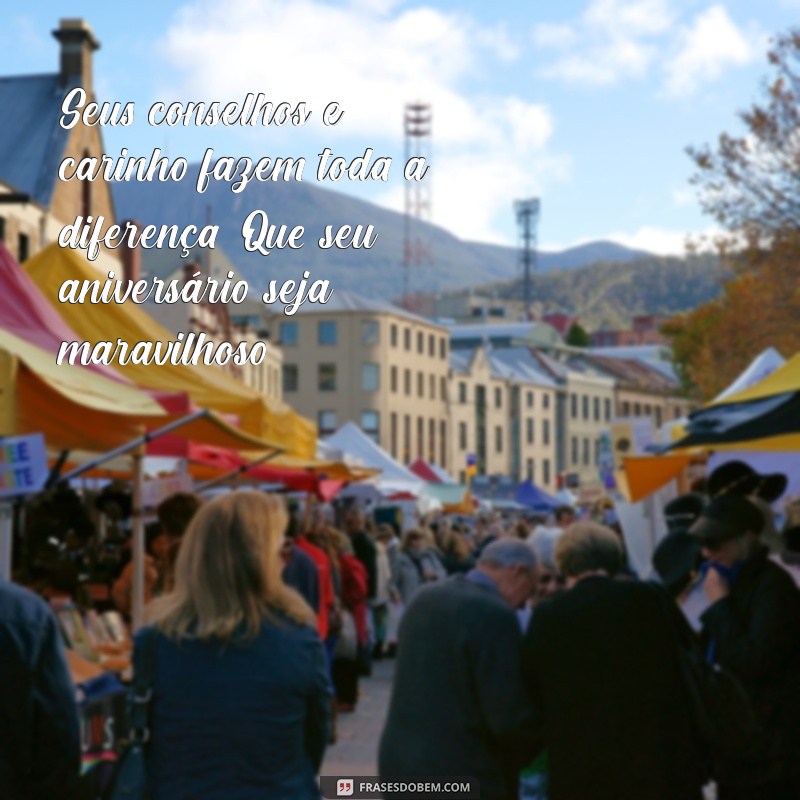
763 365
394 477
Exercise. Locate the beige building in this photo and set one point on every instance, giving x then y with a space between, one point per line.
365 361
503 411
34 204
220 322
585 410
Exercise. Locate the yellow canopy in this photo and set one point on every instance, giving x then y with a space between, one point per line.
208 386
784 379
76 408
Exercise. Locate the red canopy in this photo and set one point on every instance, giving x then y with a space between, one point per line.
422 470
26 312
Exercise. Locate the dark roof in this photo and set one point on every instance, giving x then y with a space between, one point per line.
635 374
32 142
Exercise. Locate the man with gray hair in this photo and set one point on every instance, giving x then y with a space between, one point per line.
459 706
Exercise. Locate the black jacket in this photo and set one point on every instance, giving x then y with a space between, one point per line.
366 553
603 667
39 740
755 633
459 707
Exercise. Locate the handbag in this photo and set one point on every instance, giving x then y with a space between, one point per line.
347 643
130 778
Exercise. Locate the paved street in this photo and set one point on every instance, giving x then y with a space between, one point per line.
356 751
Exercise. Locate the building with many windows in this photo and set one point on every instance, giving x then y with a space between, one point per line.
503 411
366 361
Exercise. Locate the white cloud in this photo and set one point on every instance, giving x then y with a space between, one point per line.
612 40
684 196
705 48
373 56
664 241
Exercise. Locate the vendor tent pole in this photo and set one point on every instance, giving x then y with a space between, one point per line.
6 538
133 444
236 472
138 543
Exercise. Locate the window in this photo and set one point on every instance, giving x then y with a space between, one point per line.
626 409
587 454
407 381
585 405
370 376
529 430
574 450
647 410
432 387
370 424
431 440
443 348
393 335
530 399
442 443
327 333
326 377
420 386
290 377
393 379
531 471
545 431
596 409
432 345
420 437
596 452
545 401
407 338
573 406
370 331
326 421
407 437
462 435
498 397
443 388
498 438
462 392
289 334
637 409
607 409
23 246
420 342
658 416
546 471
393 434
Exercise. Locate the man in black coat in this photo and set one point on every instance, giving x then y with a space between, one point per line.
752 628
459 707
39 738
602 664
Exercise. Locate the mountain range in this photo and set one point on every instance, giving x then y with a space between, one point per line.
602 282
377 272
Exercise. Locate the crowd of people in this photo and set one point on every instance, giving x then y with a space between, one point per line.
528 655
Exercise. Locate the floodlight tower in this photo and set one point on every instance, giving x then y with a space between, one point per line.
417 127
527 212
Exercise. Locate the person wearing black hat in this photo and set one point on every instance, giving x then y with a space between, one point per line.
736 477
752 628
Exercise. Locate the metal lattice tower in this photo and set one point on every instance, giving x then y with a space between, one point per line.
527 212
417 126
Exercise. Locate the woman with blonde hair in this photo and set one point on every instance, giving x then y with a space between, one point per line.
240 690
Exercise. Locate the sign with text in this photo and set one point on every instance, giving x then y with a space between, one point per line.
23 465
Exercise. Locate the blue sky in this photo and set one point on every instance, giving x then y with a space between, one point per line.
588 104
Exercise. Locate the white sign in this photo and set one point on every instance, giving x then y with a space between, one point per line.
23 465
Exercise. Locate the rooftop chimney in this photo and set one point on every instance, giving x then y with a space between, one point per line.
77 45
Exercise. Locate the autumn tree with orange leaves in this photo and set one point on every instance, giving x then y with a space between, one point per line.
751 185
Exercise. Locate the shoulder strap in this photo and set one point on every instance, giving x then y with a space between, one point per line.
142 691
